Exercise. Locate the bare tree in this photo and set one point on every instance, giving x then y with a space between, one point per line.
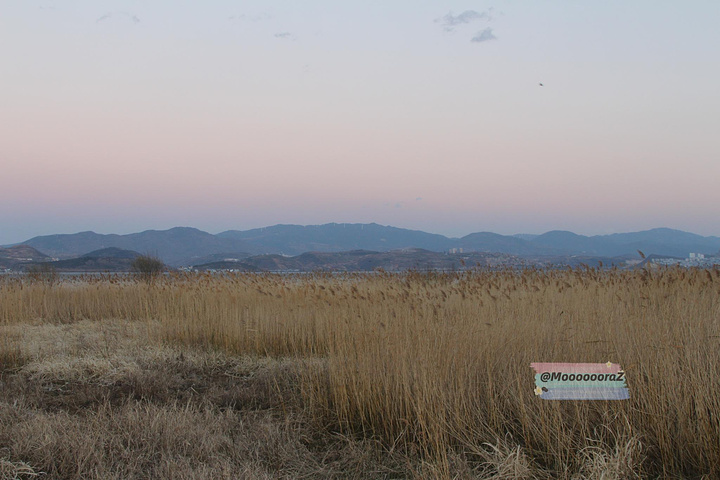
147 267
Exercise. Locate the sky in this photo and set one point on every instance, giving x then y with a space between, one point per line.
445 116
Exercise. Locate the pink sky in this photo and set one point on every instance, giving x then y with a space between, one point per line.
119 116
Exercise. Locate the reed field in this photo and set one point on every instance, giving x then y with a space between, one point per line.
409 375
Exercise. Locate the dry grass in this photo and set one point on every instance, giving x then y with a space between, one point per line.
413 375
102 399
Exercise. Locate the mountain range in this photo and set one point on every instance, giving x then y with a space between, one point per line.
184 246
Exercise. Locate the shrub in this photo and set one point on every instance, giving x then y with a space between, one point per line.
147 267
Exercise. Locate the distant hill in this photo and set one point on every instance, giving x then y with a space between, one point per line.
664 241
16 256
337 237
93 264
22 253
660 241
189 246
493 242
110 259
666 236
569 242
227 265
221 257
113 252
176 246
364 260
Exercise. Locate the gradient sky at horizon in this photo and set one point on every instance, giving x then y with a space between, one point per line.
122 116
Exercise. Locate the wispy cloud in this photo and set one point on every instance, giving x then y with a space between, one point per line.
110 15
449 22
484 36
252 17
285 36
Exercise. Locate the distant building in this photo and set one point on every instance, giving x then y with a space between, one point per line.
693 260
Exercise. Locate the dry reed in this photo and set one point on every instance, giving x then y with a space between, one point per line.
437 366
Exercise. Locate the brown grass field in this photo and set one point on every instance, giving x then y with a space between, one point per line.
416 375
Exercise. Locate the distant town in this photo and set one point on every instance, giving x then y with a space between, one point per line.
693 260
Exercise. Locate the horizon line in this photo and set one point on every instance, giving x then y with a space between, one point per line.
354 223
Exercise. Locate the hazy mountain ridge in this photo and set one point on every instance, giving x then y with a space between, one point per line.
113 252
364 261
660 241
93 262
189 246
494 242
176 246
338 237
23 257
